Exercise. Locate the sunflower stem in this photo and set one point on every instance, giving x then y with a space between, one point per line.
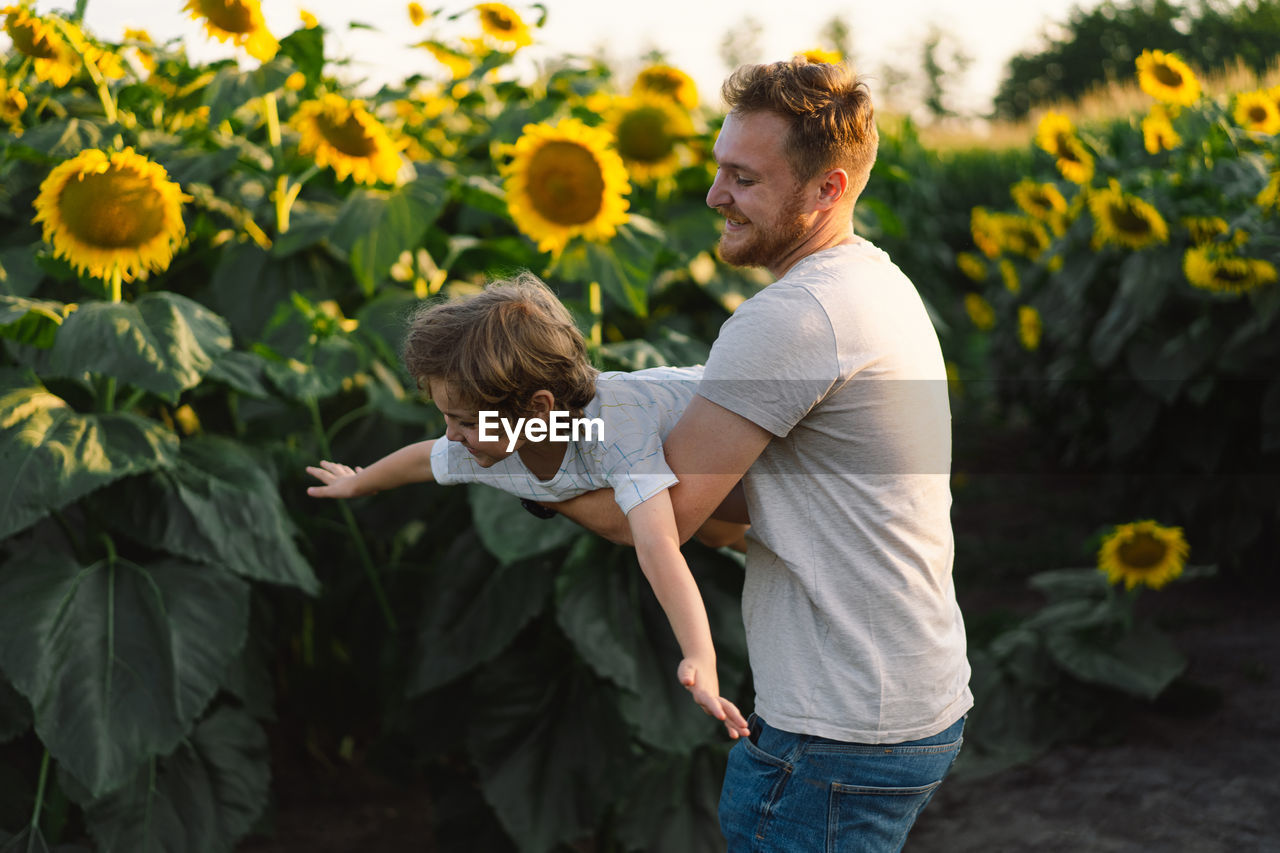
356 536
117 284
78 14
595 305
40 786
272 115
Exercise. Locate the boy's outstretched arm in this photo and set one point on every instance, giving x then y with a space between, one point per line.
409 464
654 530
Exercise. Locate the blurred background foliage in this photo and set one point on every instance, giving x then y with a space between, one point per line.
204 272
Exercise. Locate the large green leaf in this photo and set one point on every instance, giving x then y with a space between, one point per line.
545 738
15 712
1142 662
474 608
117 660
201 799
509 532
674 802
19 273
1138 299
29 840
50 455
596 606
376 226
318 372
31 321
231 88
215 505
163 342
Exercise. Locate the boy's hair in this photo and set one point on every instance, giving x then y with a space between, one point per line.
496 348
828 107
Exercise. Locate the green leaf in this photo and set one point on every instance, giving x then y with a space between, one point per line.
62 139
330 362
215 505
117 661
474 609
673 806
1070 584
545 739
376 226
163 342
596 604
1142 662
509 532
231 89
30 840
1138 299
203 798
241 371
20 275
31 321
50 455
305 46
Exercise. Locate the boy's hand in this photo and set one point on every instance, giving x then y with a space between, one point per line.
339 480
700 680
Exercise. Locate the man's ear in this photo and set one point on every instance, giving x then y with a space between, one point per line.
832 186
542 403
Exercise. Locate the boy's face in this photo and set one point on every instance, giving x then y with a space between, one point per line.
462 424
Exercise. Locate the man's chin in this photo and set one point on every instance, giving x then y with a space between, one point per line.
736 255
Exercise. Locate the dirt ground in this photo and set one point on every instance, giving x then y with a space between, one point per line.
1200 775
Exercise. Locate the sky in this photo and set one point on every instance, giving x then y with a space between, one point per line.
688 32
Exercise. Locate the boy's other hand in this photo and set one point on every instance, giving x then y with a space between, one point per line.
339 480
700 680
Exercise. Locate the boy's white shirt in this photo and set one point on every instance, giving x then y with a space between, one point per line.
637 409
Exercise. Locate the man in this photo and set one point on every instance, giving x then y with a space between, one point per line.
825 394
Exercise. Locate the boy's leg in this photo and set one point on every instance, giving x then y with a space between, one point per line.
788 793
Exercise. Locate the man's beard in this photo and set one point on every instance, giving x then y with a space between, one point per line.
764 248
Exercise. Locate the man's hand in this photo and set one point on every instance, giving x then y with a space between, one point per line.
699 678
339 480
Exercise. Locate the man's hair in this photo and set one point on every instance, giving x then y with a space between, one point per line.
827 106
498 347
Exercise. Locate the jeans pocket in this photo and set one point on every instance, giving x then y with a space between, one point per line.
753 783
865 819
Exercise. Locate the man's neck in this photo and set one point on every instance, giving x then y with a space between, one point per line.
827 233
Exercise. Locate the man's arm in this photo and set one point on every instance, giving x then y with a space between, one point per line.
709 450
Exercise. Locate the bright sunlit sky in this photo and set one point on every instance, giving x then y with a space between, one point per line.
689 32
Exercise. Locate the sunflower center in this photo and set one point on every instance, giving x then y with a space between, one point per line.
348 135
499 20
1127 218
663 84
232 16
33 41
565 183
1167 76
643 135
1143 551
114 209
1231 273
1257 114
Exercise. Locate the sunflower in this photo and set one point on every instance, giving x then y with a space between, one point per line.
820 55
341 134
144 55
503 25
417 14
1167 78
309 21
12 105
1257 112
1125 219
648 130
1021 235
985 230
1037 199
104 212
1143 552
980 311
458 64
564 181
1056 135
1269 198
1157 131
1205 229
972 266
669 82
237 21
38 40
1218 268
1009 275
1029 327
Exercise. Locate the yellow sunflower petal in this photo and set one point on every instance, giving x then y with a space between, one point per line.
649 130
502 24
1029 327
43 44
1143 552
105 211
565 181
1256 111
668 81
1125 220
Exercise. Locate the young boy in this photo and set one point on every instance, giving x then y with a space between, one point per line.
527 413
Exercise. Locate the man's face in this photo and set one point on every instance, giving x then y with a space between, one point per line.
461 421
756 191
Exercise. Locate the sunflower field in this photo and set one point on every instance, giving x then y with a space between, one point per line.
205 270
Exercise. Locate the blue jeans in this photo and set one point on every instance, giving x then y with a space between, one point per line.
787 793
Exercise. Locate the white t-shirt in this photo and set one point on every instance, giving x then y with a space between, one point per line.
852 624
637 411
